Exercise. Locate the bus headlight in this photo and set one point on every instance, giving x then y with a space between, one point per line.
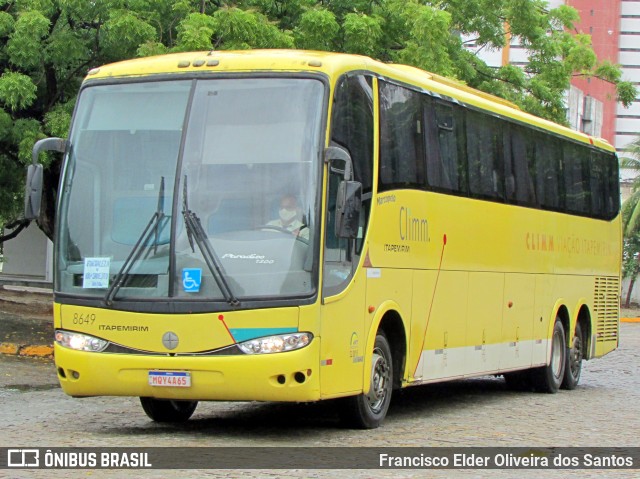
80 342
276 344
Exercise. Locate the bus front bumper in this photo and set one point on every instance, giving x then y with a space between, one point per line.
288 376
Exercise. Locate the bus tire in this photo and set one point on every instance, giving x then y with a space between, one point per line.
168 410
575 355
367 411
549 378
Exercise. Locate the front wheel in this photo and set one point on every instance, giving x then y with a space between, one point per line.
367 411
549 378
168 410
573 367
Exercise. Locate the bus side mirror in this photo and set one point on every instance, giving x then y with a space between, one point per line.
348 206
33 190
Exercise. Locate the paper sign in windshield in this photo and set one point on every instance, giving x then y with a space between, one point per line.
96 273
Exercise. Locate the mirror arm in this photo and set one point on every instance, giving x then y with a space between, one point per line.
48 144
337 153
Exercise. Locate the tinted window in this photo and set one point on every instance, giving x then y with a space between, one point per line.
401 137
352 125
547 167
445 168
429 141
519 156
577 178
484 141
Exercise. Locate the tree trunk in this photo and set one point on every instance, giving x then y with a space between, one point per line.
631 284
18 225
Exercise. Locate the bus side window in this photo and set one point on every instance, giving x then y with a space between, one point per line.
548 171
577 178
612 197
401 138
518 158
598 171
484 142
605 191
444 169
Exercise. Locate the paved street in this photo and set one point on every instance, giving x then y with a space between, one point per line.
603 411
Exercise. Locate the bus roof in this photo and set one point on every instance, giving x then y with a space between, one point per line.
332 64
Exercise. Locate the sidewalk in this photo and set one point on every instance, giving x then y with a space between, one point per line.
630 315
26 321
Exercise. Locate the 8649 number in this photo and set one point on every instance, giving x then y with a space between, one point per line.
82 318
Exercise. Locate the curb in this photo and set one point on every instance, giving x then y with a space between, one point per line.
27 350
630 320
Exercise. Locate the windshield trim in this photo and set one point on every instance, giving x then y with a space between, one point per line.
173 303
181 305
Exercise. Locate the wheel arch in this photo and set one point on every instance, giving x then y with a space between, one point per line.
388 318
393 328
583 317
562 312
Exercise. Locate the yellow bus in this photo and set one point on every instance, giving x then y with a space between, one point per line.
301 226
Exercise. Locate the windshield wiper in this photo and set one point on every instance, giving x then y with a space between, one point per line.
154 227
196 232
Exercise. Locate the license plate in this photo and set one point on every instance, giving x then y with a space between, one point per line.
173 379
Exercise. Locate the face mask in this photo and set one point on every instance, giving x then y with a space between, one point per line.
287 215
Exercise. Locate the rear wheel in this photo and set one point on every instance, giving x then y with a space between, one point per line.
549 378
367 411
161 410
573 367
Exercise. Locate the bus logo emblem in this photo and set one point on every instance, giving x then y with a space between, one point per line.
191 280
170 340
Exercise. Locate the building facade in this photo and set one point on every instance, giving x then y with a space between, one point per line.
614 26
628 119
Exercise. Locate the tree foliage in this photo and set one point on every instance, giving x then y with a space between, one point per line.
631 220
46 47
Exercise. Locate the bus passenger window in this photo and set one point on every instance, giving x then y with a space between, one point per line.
485 166
401 138
577 179
548 168
518 157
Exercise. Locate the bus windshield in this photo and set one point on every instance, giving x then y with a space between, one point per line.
195 188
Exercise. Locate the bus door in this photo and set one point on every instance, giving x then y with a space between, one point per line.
344 286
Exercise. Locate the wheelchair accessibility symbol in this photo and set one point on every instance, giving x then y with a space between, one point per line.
191 280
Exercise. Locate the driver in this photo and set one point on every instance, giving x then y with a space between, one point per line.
289 218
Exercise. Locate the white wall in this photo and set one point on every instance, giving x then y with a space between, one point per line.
28 255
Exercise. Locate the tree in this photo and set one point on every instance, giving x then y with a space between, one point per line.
631 221
46 46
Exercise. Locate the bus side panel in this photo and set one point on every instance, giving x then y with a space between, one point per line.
343 341
484 325
397 286
423 293
517 321
443 354
543 305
